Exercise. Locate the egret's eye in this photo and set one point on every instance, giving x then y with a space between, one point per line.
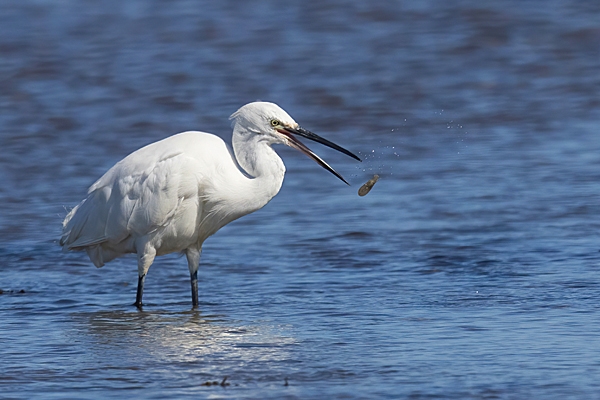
274 122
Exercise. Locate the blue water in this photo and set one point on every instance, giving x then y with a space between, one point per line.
469 271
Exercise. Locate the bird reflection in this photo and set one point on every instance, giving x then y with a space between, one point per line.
189 336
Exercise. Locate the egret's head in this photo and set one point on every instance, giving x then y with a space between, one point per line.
262 119
268 122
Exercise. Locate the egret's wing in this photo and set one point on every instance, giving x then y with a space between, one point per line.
161 190
147 201
135 197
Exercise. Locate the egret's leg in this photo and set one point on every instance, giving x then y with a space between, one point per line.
145 260
194 278
193 259
140 291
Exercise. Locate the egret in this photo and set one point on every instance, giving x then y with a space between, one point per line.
171 195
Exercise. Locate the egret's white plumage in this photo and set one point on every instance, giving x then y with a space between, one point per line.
171 195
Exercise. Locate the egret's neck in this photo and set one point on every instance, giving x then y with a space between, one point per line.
261 162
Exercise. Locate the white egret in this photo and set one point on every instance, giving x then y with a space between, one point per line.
171 195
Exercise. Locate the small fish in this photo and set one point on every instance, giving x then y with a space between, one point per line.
366 188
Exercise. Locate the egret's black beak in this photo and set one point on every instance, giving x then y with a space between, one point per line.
291 133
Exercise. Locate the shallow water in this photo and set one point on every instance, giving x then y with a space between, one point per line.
469 271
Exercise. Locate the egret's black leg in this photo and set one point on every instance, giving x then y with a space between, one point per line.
193 259
146 254
194 278
140 291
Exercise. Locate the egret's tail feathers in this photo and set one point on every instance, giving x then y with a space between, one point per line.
95 254
84 228
85 224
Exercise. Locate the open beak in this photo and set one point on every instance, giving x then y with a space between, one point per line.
291 133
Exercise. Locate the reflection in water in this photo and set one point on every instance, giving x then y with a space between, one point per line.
206 344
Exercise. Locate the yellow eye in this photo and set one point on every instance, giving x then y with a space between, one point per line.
274 122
